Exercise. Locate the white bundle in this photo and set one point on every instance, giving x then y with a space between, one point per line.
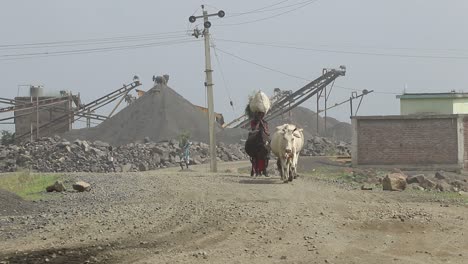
259 102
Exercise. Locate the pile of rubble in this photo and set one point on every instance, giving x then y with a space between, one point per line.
441 181
320 146
58 155
399 181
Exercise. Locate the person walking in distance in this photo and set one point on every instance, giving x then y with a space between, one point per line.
185 157
110 159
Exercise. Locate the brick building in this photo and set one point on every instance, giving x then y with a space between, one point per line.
411 141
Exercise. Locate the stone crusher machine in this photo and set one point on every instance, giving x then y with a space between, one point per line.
73 114
284 101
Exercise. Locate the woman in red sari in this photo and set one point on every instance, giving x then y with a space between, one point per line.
260 163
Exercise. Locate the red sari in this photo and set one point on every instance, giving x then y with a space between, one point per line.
259 165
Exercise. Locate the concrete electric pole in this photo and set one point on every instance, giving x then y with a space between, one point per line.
209 80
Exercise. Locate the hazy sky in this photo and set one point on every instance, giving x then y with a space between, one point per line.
384 44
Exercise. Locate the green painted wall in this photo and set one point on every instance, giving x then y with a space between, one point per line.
429 105
460 106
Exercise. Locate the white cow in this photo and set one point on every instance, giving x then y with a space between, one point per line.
286 144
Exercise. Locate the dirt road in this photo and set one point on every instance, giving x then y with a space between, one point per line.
169 216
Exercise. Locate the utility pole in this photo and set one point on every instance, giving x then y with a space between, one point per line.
209 80
37 116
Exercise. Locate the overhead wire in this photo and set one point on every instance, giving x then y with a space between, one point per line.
226 87
88 40
263 10
92 50
285 73
345 52
100 42
262 66
234 14
273 16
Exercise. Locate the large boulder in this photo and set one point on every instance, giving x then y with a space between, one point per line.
394 182
56 187
82 186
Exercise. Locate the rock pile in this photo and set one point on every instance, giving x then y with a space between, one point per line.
58 155
440 182
398 181
320 146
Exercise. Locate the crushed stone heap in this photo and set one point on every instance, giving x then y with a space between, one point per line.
160 114
59 155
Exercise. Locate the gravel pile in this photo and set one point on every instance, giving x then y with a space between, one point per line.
161 114
59 155
320 146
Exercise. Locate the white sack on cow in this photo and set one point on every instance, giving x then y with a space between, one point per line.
259 102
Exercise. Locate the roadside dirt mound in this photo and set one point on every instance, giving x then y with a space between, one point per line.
306 119
12 204
161 114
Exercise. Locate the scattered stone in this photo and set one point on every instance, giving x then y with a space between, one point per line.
416 179
444 187
427 184
415 186
82 186
143 166
56 187
366 188
126 167
396 170
440 175
459 184
394 182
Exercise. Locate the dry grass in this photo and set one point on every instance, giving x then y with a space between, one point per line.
29 186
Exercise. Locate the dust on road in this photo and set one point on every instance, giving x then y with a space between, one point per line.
168 216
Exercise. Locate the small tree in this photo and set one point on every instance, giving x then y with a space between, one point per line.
7 137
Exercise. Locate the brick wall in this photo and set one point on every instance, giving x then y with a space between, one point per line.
405 141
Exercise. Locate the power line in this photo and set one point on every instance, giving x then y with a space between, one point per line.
257 10
262 66
285 73
263 10
346 52
93 50
98 42
222 74
88 40
273 16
